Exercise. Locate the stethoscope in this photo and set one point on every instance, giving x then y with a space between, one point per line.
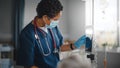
46 40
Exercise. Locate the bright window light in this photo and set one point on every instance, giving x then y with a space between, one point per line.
103 20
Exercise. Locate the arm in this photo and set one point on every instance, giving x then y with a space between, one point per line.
77 44
67 47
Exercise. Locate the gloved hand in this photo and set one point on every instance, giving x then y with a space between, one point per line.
80 41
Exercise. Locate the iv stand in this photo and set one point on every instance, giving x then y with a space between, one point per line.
105 56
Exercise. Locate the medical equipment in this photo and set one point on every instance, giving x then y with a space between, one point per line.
88 44
40 44
105 56
88 49
6 52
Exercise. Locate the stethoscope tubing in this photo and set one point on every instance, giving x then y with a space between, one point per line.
39 42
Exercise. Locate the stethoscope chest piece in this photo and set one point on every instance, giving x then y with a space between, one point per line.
56 51
36 36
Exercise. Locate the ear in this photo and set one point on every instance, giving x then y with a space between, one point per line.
46 20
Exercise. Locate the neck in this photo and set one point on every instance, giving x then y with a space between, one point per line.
39 22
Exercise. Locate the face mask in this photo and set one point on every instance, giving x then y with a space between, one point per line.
53 24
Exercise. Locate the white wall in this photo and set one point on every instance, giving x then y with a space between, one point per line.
63 24
76 18
72 21
30 11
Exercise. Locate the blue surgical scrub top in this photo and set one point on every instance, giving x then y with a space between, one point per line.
29 53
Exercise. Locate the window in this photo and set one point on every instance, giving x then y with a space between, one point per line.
102 22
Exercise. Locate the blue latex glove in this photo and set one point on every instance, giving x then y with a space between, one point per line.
80 41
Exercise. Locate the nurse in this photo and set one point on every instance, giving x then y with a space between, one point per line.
41 40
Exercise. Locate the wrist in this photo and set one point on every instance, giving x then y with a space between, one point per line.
72 47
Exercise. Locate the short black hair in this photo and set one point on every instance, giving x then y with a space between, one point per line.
49 7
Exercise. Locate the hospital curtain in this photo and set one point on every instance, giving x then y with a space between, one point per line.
19 17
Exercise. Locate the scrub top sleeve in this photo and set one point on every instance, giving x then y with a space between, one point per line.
25 54
60 36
